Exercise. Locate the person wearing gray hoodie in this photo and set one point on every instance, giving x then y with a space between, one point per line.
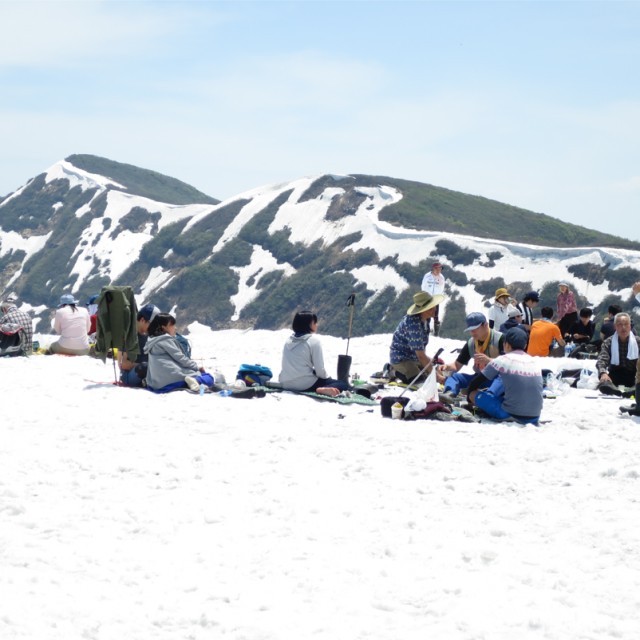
169 367
302 361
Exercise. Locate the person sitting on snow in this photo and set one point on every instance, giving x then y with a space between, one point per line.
583 329
11 314
131 374
433 283
169 368
484 345
72 323
514 321
303 362
519 393
407 354
618 360
608 329
543 332
499 310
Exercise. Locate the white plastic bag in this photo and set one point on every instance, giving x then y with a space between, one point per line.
587 380
428 392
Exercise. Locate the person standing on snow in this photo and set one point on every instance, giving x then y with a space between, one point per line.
567 308
499 310
433 283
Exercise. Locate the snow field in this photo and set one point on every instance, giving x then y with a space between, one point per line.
129 515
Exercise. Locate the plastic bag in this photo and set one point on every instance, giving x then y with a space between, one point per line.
587 381
556 384
428 392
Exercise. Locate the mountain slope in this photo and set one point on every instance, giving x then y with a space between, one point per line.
256 258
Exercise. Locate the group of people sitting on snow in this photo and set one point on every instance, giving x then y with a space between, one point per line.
507 380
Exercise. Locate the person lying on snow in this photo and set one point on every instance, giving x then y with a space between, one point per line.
407 354
72 323
131 374
169 368
484 345
11 314
303 362
618 360
516 391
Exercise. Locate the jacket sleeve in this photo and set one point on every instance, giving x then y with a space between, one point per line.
174 350
317 359
88 322
57 325
605 357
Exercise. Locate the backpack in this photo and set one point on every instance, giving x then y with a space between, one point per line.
254 374
184 344
10 340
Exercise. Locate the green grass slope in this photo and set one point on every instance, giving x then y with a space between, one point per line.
428 208
142 182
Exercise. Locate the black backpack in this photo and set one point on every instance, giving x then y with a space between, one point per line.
10 341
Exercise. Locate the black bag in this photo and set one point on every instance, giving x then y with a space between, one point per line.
141 370
10 341
387 403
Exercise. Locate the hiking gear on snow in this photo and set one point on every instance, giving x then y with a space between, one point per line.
10 340
344 362
423 301
117 322
302 362
387 403
254 374
634 409
14 316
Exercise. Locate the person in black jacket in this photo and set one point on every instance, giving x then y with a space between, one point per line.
581 331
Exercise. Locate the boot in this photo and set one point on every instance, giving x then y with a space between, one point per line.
436 328
634 409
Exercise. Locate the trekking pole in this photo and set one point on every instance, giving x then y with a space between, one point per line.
433 361
351 302
344 362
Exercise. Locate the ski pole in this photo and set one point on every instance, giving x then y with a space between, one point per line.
429 365
351 302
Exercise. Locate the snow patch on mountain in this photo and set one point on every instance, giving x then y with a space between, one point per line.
64 170
112 256
262 262
13 241
377 280
15 194
157 278
260 198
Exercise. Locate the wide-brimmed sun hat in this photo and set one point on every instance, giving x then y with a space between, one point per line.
423 301
67 298
502 292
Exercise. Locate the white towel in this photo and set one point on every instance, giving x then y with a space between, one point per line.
632 351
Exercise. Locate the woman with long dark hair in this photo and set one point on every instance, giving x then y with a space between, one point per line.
567 308
169 366
302 360
72 323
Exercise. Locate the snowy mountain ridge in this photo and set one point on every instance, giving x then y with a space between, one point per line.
255 258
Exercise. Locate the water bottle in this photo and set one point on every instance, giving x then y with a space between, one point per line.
201 392
568 348
225 392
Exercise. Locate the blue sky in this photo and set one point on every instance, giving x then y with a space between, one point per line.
536 104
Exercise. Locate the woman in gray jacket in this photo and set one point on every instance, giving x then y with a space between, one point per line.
302 361
169 367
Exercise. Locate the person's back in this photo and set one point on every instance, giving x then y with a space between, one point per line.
22 319
301 357
167 362
542 335
72 323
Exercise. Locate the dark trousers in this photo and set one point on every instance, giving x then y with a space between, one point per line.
567 321
621 375
327 382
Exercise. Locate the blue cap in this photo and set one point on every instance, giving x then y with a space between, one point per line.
149 312
517 338
67 298
475 320
92 299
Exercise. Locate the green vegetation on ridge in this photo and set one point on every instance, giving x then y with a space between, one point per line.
142 182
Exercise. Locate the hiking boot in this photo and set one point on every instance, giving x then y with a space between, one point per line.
448 397
193 384
634 409
609 389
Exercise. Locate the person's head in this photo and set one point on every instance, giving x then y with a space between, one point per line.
614 309
436 268
531 299
502 296
7 303
515 314
585 315
477 326
67 300
424 304
146 315
305 322
547 312
564 287
163 323
622 324
515 339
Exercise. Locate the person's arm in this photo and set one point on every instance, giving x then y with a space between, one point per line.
124 362
463 358
423 359
636 290
476 383
603 361
317 358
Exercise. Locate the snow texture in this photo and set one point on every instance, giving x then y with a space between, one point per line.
13 241
129 515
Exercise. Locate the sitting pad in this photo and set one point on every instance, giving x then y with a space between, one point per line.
354 399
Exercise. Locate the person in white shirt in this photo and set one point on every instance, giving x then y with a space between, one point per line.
433 283
73 324
499 310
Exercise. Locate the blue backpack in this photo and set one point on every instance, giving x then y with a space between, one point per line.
184 344
254 374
